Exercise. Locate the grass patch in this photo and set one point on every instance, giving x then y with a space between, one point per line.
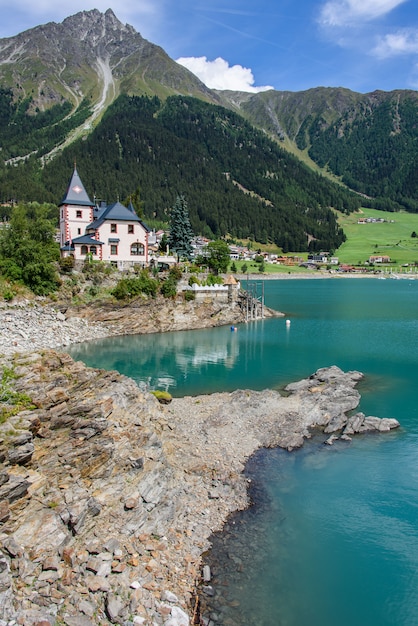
11 401
270 268
9 291
391 238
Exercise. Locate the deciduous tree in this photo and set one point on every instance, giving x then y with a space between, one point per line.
28 250
218 257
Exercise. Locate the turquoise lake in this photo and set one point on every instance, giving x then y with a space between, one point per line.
332 538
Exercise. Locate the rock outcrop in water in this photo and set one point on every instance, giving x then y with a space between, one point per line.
108 499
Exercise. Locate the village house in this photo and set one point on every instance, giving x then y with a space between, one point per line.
371 220
347 268
289 260
234 253
322 257
111 233
379 259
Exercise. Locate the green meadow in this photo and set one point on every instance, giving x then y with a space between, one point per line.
390 238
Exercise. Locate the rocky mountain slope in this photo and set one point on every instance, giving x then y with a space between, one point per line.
86 61
284 113
93 56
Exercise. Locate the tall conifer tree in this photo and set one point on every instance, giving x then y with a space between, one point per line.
181 234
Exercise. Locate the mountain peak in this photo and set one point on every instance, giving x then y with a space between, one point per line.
89 21
90 57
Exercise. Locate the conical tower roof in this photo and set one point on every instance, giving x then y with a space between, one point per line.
76 194
230 280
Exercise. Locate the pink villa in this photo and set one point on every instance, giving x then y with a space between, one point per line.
112 233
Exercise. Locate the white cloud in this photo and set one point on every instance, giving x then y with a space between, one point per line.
218 74
346 12
403 42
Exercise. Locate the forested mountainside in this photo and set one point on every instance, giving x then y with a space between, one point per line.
236 180
92 89
369 140
24 134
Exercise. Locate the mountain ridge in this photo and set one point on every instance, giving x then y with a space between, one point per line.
95 43
59 83
367 141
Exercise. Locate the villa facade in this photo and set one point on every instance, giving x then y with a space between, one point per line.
112 233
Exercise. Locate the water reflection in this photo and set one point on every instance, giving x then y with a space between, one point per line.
163 361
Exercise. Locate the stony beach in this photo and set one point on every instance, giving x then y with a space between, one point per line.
108 499
29 325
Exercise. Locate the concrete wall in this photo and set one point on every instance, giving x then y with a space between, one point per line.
218 293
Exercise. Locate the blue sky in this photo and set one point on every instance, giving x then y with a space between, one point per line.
253 45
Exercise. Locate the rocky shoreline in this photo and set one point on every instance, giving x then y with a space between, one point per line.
107 498
30 325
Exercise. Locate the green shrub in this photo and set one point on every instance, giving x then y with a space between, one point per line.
97 268
175 272
213 280
193 280
122 290
10 270
41 278
147 284
66 264
93 291
169 288
130 287
189 295
8 295
28 252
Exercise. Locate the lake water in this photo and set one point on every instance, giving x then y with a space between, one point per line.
333 536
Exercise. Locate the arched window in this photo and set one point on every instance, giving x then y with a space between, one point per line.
84 249
93 249
137 249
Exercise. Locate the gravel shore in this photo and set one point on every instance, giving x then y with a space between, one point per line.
28 326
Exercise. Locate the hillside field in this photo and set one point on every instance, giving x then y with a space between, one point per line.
391 238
